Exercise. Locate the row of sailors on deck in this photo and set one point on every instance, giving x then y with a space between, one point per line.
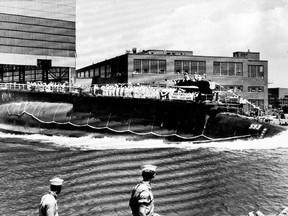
143 91
50 87
122 90
139 91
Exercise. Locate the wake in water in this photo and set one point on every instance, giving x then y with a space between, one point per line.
193 179
105 143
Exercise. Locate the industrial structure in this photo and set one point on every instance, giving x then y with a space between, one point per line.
243 73
37 41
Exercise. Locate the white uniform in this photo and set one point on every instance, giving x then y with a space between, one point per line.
48 205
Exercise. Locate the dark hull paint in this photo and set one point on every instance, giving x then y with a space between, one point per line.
74 115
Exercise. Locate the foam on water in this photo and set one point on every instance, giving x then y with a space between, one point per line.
278 141
92 143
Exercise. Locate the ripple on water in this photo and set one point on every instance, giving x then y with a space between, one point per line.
232 179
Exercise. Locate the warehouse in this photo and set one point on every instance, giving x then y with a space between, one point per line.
243 73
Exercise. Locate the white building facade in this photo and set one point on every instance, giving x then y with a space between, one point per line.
37 40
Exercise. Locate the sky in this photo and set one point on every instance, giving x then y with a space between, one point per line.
107 28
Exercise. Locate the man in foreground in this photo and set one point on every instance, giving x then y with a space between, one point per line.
142 200
48 205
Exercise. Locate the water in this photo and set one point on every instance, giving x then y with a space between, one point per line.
229 178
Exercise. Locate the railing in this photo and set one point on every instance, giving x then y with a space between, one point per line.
13 86
34 87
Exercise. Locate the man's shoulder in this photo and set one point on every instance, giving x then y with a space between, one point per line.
143 186
48 198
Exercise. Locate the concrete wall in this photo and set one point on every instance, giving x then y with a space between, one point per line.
31 30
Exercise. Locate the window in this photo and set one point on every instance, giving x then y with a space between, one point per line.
260 89
30 74
7 77
231 69
153 66
102 72
91 73
223 68
202 68
261 71
145 66
255 88
38 75
178 66
137 65
251 89
216 68
149 66
233 88
256 71
186 66
239 69
227 68
239 88
97 72
108 71
162 66
193 67
86 74
252 71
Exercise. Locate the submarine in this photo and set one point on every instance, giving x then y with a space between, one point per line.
181 113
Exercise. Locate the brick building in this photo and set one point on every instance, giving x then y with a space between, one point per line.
244 72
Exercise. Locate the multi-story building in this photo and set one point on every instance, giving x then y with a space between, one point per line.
37 40
244 73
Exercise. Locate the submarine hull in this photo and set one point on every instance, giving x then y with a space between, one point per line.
80 115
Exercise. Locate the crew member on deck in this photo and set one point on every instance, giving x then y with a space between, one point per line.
186 77
48 205
186 81
142 200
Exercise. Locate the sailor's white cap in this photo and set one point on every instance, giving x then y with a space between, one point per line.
56 181
148 167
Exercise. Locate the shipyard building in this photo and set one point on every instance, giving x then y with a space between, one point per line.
243 73
37 41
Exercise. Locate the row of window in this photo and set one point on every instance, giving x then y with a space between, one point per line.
102 71
256 71
233 88
191 67
239 88
228 68
32 73
146 66
149 66
256 89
